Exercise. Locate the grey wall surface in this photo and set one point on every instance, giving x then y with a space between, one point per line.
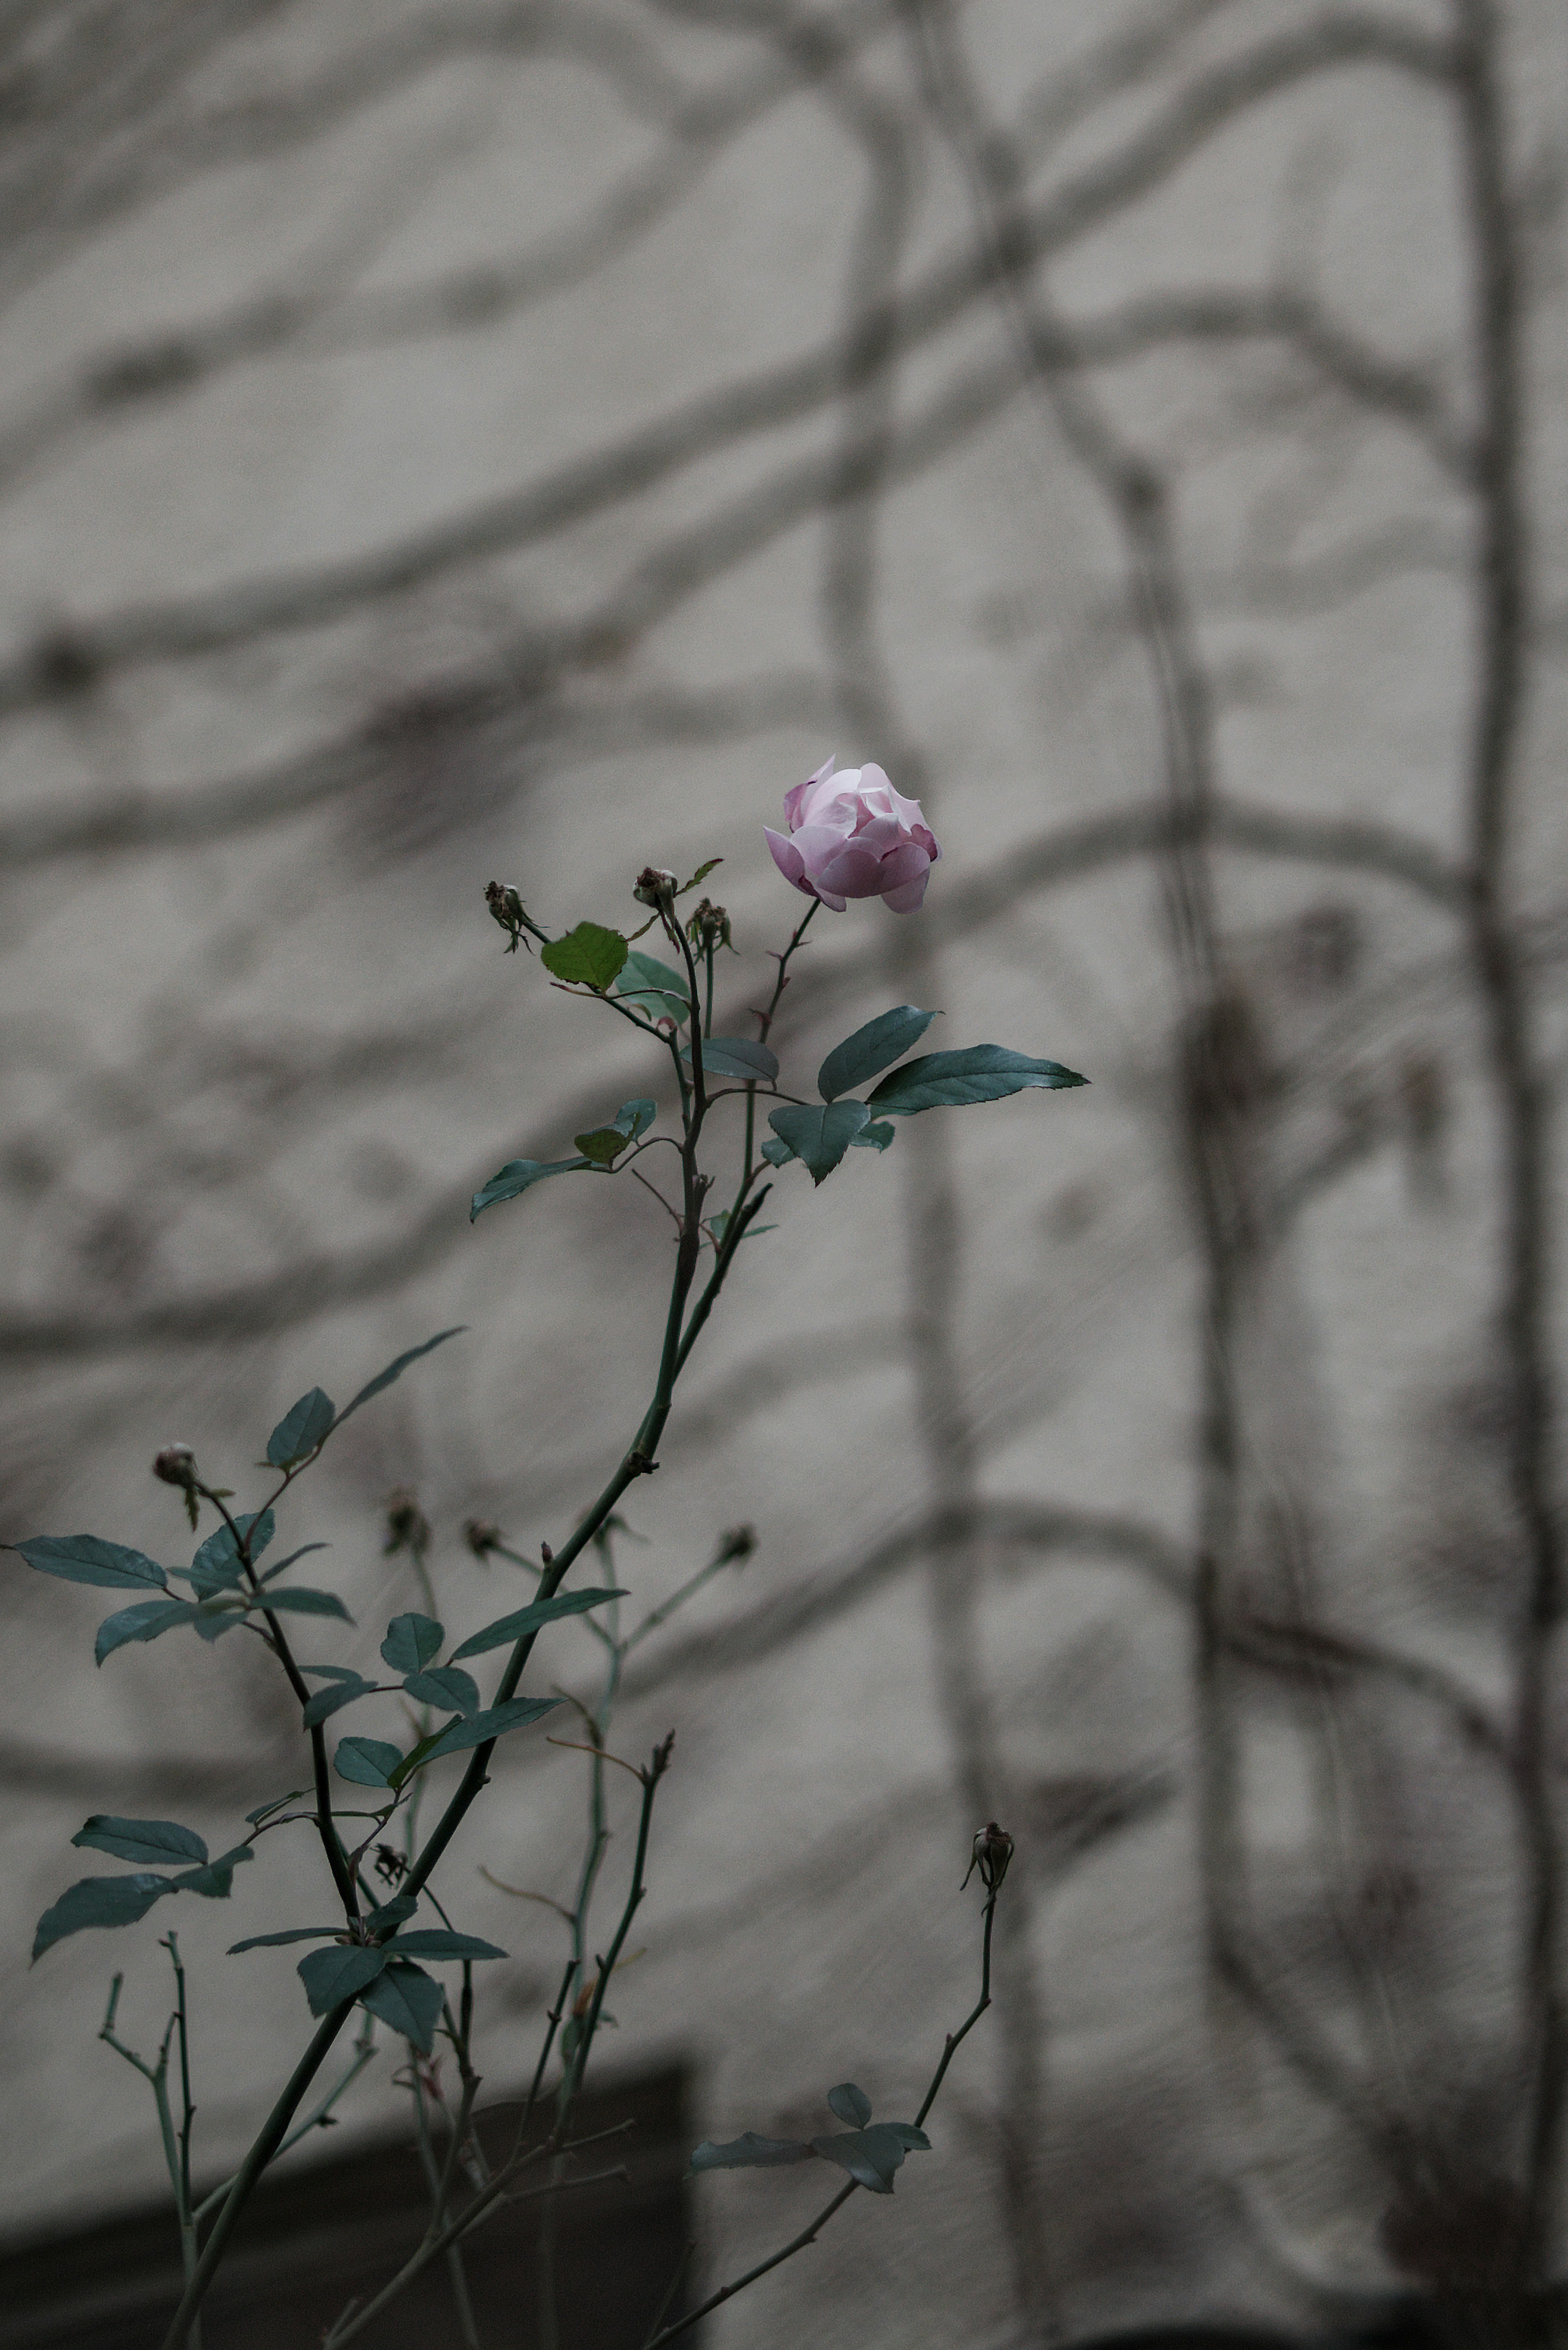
521 441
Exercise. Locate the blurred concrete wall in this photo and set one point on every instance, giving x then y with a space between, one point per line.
520 441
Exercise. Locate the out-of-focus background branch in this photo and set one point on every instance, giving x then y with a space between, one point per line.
520 440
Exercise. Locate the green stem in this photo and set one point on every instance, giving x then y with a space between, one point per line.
262 2151
808 2234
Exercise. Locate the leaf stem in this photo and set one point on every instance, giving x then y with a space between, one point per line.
808 2234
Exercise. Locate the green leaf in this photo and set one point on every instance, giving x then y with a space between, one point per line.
434 1942
214 1618
507 1628
589 956
395 1370
878 1136
263 1811
871 1050
145 1621
520 1175
870 2156
720 1222
980 1073
289 1934
749 2152
332 1673
478 1730
216 1880
391 1913
216 1566
446 1686
851 2104
909 2136
151 1842
701 875
285 1564
655 989
83 1558
295 1599
410 2002
736 1056
98 1901
603 1144
367 1762
333 1975
819 1137
776 1151
336 1694
411 1642
304 1426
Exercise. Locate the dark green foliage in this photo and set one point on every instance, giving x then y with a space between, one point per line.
409 2001
819 1137
84 1558
445 1686
338 1973
532 1618
303 1429
152 1842
737 1057
396 1369
411 1642
367 1762
749 2152
146 1621
520 1175
871 1049
980 1073
850 2104
654 988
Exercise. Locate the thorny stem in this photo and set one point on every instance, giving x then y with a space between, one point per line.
679 1336
558 2143
266 2144
809 2233
342 1874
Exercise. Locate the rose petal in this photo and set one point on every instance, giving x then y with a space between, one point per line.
788 858
907 897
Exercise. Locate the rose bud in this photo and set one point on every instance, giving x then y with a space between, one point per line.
738 1543
505 904
481 1538
709 927
853 835
992 1851
407 1528
655 886
176 1464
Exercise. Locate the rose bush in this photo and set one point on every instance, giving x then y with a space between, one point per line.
852 835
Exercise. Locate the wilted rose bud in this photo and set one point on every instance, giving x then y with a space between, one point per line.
506 905
992 1852
176 1464
482 1536
655 886
407 1528
738 1543
709 927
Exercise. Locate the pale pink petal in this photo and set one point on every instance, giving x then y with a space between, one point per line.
816 846
907 897
905 863
788 857
831 899
854 871
795 801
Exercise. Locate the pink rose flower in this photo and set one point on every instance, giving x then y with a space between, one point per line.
853 835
